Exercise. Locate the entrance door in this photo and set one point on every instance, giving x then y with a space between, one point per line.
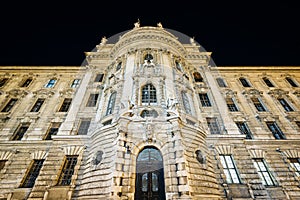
149 183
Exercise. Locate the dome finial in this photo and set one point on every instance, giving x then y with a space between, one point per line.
159 25
137 24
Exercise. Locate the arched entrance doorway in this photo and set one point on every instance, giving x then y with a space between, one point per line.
149 184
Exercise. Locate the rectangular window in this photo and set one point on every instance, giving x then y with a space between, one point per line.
244 129
258 104
19 133
263 172
92 101
67 170
274 128
3 81
65 105
84 126
37 106
75 83
99 78
50 83
32 174
291 82
213 125
231 105
295 164
230 169
298 123
285 105
245 82
268 82
2 164
221 82
9 105
26 82
52 130
204 100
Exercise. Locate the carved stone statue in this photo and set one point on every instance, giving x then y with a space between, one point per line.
192 41
103 40
137 24
159 25
200 157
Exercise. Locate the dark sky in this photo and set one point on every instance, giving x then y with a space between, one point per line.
237 33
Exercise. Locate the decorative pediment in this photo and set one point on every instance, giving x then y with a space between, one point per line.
73 150
43 92
17 93
252 92
66 92
230 93
39 155
292 153
278 93
224 149
257 153
5 155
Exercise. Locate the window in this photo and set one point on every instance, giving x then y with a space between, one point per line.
298 123
2 164
99 78
221 82
92 101
9 105
65 105
84 126
26 82
111 103
244 129
21 130
213 125
263 172
75 83
274 128
67 170
148 57
204 100
119 65
50 83
295 164
197 77
37 106
52 130
32 174
149 113
291 82
268 82
3 81
149 94
230 169
231 105
186 103
258 104
178 65
245 82
285 105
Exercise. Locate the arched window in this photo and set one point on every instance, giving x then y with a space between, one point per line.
111 103
149 94
119 66
186 103
148 57
178 65
197 77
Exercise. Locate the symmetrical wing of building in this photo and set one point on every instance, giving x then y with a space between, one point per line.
149 117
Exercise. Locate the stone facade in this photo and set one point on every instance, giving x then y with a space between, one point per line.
79 132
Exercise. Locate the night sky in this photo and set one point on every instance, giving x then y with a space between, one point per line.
240 33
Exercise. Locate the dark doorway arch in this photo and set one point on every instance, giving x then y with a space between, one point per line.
149 184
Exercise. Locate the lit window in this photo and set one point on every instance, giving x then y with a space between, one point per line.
230 169
197 77
213 125
186 103
3 81
258 104
149 94
291 82
285 105
245 82
67 170
295 164
244 129
111 103
52 130
263 172
274 128
204 100
33 173
92 101
231 105
37 106
50 83
9 105
19 133
75 83
99 78
268 82
27 82
84 126
65 105
221 82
